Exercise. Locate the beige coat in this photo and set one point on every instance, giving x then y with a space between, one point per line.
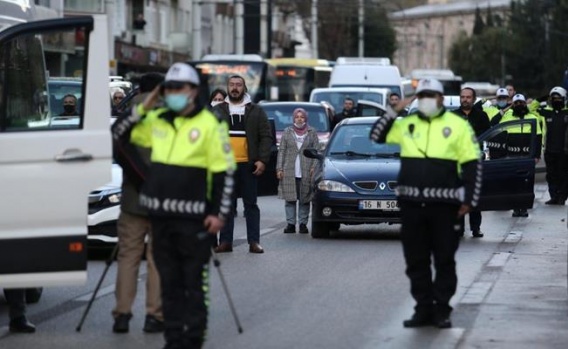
286 162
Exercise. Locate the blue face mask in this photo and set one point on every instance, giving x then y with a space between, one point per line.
178 101
502 104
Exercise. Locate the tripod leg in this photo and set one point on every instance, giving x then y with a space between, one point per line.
217 265
94 295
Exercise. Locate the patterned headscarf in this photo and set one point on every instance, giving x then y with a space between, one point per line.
300 130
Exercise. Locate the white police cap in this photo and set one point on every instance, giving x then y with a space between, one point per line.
559 90
519 97
431 85
502 92
182 72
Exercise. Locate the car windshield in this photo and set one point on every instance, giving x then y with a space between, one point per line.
353 140
336 98
282 115
58 89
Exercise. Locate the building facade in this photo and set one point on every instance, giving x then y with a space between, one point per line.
426 33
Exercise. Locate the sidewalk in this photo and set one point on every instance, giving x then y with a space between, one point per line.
521 295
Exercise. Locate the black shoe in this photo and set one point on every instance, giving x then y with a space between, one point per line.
443 322
419 320
303 229
153 325
477 233
290 229
520 213
121 323
21 325
552 201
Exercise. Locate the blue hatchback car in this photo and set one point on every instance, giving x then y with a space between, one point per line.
356 180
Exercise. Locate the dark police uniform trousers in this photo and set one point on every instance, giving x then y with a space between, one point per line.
430 230
182 248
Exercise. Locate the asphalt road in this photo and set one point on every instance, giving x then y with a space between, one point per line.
346 292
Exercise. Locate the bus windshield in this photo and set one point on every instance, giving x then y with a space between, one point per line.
296 83
216 75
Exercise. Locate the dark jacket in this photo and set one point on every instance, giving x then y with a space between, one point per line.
477 118
257 129
337 118
556 127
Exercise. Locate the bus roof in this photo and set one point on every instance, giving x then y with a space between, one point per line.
228 57
363 60
440 74
299 62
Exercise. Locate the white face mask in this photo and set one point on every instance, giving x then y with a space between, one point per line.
428 106
214 103
299 124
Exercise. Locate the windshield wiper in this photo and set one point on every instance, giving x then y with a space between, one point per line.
388 155
350 153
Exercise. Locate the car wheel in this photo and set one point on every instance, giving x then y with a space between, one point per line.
320 230
33 295
334 226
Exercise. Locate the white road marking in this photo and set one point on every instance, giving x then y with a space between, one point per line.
476 292
513 237
499 259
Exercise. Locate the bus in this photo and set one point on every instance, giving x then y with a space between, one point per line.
260 76
450 81
297 77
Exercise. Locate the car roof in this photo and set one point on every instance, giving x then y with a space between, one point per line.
299 104
351 89
360 120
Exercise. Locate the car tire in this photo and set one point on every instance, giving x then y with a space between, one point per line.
320 230
334 226
33 295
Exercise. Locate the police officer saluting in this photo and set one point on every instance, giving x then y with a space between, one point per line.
438 183
187 194
556 118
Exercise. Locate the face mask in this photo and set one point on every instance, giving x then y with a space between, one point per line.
502 104
557 104
177 102
69 108
428 106
299 124
214 103
520 110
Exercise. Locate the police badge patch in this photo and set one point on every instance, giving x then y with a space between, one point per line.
447 132
194 135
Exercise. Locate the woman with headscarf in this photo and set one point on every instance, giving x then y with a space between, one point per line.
294 170
217 96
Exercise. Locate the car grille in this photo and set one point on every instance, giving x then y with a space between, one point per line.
108 229
368 185
392 185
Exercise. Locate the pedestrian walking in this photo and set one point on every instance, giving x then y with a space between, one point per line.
479 121
133 230
295 171
187 195
439 182
555 116
251 139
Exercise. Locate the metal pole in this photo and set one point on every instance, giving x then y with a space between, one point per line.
264 28
361 29
239 27
196 49
314 23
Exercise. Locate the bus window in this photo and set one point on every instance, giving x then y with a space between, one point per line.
294 83
26 65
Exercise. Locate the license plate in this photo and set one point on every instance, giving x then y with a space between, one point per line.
384 205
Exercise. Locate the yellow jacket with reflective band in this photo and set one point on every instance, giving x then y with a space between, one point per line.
440 159
192 163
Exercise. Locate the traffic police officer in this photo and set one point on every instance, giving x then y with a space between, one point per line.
555 116
519 138
187 194
439 182
495 113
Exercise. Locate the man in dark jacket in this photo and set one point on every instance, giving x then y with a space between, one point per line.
251 140
133 228
347 112
479 121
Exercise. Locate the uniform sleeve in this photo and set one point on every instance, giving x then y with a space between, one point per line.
381 130
221 166
142 132
469 157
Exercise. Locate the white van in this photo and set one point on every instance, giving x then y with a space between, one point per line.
366 72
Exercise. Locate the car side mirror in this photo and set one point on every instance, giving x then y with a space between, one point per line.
312 153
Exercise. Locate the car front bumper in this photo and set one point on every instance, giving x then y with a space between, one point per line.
345 209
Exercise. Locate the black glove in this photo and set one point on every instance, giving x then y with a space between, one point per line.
542 98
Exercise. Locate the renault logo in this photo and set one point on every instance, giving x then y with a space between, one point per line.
382 186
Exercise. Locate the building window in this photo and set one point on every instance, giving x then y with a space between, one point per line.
97 6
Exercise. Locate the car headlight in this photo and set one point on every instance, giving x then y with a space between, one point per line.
105 198
327 185
114 198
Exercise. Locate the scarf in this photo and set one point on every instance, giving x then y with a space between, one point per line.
300 131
